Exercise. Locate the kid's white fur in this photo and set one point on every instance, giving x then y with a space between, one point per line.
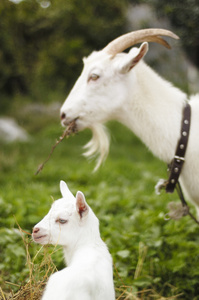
72 224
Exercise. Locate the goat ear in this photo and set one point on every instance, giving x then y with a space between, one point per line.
132 59
66 193
81 205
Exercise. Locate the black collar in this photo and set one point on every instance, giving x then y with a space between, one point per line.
176 164
175 168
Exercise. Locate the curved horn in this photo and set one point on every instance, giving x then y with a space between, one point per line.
144 35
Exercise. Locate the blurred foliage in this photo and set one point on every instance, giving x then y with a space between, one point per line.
41 48
184 16
43 41
148 252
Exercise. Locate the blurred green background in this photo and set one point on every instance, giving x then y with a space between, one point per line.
41 48
42 42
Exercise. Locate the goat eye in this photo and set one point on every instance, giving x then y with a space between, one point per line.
93 77
61 221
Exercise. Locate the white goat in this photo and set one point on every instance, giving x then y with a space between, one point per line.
120 86
72 224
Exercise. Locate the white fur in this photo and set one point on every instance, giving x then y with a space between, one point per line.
130 92
88 275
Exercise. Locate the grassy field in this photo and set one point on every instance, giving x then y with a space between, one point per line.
153 258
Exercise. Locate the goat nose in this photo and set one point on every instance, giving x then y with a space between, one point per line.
63 116
35 230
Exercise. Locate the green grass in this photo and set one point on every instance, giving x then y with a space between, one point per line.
149 253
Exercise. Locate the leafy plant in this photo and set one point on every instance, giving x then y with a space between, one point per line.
151 256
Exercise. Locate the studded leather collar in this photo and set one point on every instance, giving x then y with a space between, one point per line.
176 164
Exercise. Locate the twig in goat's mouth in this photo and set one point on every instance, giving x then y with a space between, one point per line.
71 129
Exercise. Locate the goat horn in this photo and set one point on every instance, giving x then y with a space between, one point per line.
144 35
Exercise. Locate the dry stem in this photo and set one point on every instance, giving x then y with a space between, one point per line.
71 129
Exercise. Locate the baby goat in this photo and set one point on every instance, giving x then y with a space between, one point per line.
72 224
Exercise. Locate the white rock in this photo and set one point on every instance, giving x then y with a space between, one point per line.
10 131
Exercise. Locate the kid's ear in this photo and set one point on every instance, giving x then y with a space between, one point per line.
66 193
131 59
81 205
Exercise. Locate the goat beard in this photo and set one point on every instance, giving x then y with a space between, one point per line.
98 145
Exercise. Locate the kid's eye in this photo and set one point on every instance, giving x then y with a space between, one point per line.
61 221
93 77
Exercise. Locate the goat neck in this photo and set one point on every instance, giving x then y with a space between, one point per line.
88 238
83 252
153 111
